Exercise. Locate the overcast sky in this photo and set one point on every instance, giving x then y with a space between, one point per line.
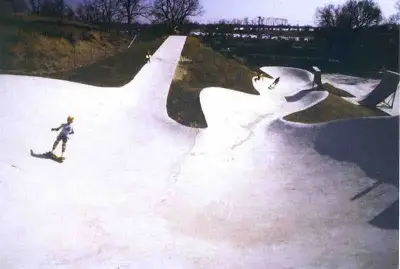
295 11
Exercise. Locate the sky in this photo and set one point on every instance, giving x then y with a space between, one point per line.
295 11
300 12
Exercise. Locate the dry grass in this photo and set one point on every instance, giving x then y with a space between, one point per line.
331 109
72 51
113 71
201 67
336 91
180 74
207 68
37 45
21 18
45 54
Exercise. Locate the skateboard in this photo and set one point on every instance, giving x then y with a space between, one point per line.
57 158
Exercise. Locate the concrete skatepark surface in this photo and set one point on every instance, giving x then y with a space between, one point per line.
139 190
360 88
292 80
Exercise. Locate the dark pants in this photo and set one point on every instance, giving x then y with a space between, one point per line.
64 139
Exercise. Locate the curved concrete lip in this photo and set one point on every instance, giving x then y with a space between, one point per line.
138 190
292 80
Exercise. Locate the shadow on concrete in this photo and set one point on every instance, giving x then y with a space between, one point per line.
388 219
298 96
349 80
370 143
47 155
373 145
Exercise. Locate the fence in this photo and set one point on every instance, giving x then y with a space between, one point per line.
56 57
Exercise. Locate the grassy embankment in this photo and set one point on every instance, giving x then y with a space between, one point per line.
71 50
88 54
333 108
201 67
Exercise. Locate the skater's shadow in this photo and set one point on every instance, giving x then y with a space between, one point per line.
47 155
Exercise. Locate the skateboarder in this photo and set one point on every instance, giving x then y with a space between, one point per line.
63 135
275 82
259 75
148 56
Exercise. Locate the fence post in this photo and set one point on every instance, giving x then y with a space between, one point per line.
26 54
2 58
74 57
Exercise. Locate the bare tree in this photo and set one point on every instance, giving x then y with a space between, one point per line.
89 11
110 9
52 8
99 10
328 16
395 18
35 5
259 18
274 21
353 14
175 12
246 20
69 13
235 22
130 10
357 14
81 12
283 21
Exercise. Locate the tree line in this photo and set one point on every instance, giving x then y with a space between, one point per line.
169 12
354 14
357 34
350 31
351 15
259 20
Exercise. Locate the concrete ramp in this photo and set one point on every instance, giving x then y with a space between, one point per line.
139 190
287 74
292 80
383 90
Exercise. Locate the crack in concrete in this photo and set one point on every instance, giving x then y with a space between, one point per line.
249 127
172 178
257 120
16 167
241 142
